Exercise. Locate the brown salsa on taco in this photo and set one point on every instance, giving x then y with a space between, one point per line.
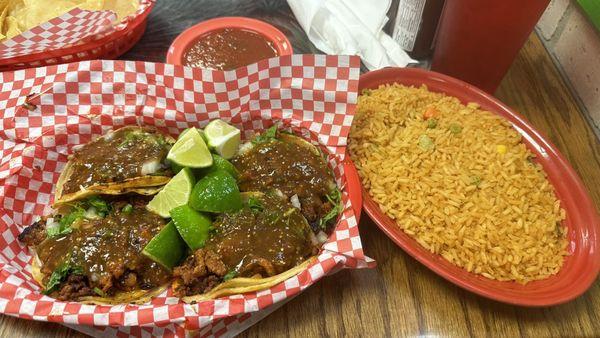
92 250
212 228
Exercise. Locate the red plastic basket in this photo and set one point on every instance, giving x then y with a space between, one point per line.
110 46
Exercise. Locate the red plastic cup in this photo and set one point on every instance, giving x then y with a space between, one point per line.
478 40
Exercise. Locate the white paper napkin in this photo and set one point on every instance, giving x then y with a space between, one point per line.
351 27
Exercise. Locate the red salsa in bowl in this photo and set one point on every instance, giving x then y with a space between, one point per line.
228 43
228 48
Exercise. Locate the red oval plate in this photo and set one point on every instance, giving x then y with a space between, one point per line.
190 35
353 187
581 267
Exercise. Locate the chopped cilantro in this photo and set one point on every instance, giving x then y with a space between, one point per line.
59 275
99 292
160 140
78 212
127 209
101 206
142 136
231 274
129 137
255 205
58 231
65 222
267 136
335 198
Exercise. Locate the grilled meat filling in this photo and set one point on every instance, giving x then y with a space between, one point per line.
101 254
267 239
291 169
34 234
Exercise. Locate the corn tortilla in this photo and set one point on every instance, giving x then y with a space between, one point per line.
242 285
131 297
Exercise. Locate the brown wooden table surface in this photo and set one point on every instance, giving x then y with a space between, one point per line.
403 298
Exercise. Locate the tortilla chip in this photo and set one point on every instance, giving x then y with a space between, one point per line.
27 14
30 13
19 16
2 19
3 14
91 5
123 8
12 27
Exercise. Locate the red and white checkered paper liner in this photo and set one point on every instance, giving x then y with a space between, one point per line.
315 95
70 29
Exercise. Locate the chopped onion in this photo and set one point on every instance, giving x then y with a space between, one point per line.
279 193
109 136
91 213
296 202
150 167
37 258
246 147
94 277
313 239
50 223
322 237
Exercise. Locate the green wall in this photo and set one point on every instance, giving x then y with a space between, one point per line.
592 9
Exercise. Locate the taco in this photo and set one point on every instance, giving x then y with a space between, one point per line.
130 159
294 168
91 251
259 246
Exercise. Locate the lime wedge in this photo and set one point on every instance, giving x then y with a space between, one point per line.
177 192
216 192
166 248
223 138
175 168
193 226
188 129
190 150
219 163
183 133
